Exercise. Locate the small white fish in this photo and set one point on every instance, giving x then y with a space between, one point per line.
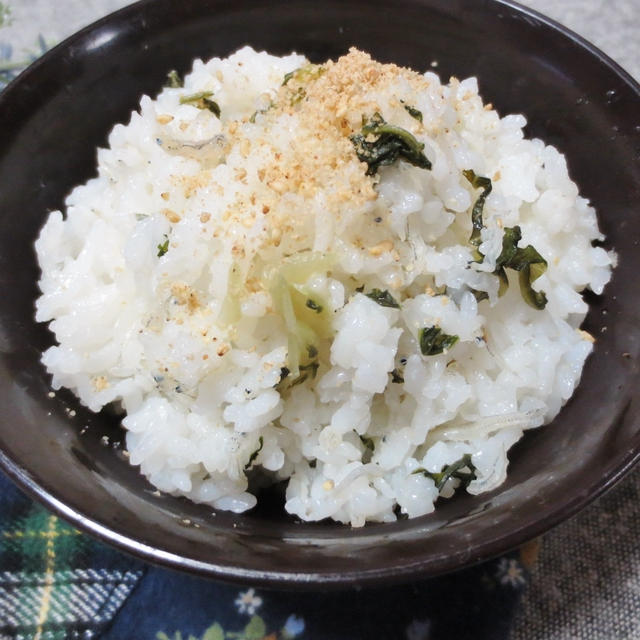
488 425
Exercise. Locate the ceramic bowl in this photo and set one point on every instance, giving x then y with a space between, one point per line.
56 113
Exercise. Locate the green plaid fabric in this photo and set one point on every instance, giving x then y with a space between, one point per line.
55 582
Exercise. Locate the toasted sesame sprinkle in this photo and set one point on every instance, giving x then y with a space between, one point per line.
171 215
585 335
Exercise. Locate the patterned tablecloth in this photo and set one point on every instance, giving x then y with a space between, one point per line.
58 584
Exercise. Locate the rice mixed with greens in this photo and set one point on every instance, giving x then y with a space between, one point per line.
348 276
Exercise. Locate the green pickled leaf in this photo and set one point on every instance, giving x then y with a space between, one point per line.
163 247
413 112
512 235
454 470
306 372
368 443
212 106
254 115
195 97
298 95
504 281
535 299
477 182
255 454
202 100
304 74
528 257
527 261
390 144
313 305
383 298
479 295
434 342
311 368
174 81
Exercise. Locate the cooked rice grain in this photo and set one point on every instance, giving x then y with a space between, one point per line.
209 281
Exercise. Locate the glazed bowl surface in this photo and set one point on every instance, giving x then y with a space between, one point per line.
56 113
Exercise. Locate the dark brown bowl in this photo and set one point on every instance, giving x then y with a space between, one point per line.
57 112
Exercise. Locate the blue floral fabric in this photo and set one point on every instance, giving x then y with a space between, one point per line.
56 583
59 584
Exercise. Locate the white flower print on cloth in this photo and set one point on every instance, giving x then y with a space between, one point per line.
248 602
510 572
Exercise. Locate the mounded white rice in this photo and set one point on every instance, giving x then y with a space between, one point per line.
173 286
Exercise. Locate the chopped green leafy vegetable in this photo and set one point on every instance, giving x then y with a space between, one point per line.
527 261
391 143
413 112
477 182
254 455
212 106
479 295
163 247
535 299
396 376
254 115
510 239
433 342
383 298
174 81
368 443
202 100
312 367
304 74
453 470
306 370
299 94
313 305
195 97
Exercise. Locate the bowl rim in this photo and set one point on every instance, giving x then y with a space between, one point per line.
496 545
